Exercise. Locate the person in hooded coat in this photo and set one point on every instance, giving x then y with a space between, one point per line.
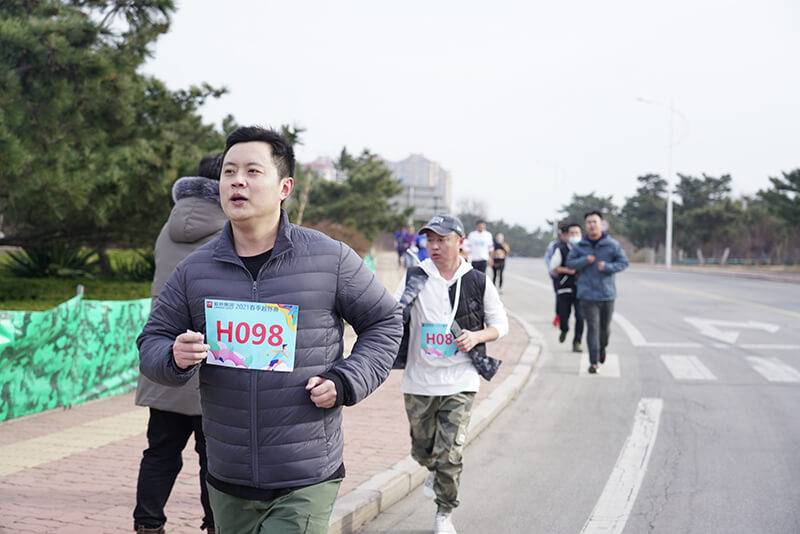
175 413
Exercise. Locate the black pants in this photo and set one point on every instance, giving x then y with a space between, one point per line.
167 435
497 272
598 322
565 303
480 265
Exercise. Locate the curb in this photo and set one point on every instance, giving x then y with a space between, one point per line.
730 272
376 495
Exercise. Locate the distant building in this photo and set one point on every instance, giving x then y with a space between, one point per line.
426 186
324 168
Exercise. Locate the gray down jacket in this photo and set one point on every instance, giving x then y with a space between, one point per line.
262 430
196 219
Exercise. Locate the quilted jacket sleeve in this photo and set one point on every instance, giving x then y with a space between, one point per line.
169 317
375 316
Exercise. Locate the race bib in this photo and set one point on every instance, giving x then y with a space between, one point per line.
436 341
251 335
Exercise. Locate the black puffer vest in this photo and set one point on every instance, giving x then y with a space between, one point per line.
566 282
469 314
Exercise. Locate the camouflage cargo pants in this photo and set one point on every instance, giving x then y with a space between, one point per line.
438 433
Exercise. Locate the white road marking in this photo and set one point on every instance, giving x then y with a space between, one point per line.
774 370
687 367
610 369
710 328
616 502
636 337
540 285
769 347
638 340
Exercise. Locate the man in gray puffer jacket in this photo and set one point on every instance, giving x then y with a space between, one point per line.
273 434
196 219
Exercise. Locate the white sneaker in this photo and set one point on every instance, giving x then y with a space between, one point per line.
444 524
427 487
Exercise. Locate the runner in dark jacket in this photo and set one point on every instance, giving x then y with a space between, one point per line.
272 434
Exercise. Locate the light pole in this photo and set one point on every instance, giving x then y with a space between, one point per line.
672 113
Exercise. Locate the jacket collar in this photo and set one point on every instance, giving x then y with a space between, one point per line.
226 251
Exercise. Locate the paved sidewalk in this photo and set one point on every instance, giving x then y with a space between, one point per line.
75 470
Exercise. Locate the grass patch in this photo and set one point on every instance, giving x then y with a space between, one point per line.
39 294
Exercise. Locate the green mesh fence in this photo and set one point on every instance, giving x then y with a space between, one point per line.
78 351
370 261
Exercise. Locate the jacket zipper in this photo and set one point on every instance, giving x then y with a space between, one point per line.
254 412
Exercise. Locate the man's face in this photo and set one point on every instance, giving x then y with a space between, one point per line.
443 249
563 236
594 226
481 226
250 189
575 231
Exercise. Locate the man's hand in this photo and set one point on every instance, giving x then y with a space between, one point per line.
600 265
590 258
467 340
189 349
323 392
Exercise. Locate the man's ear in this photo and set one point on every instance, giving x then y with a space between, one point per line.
287 184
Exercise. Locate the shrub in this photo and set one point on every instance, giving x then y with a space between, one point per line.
343 233
137 265
55 260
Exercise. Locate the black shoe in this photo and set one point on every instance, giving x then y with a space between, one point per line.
576 346
602 357
562 336
592 369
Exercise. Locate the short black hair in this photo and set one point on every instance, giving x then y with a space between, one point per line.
574 225
563 228
592 212
210 166
479 221
282 151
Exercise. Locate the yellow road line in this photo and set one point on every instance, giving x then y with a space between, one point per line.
33 452
720 297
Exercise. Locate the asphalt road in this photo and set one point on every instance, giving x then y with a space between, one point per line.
692 426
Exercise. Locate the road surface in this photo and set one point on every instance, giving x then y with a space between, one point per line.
692 425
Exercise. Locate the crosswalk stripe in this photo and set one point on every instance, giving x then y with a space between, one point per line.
774 369
687 367
610 369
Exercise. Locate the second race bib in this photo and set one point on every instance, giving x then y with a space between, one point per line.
436 341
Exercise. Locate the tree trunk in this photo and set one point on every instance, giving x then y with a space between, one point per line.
700 259
105 261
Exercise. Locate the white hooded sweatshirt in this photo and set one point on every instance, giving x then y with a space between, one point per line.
427 374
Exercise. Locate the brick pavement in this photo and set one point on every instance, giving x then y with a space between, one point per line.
75 470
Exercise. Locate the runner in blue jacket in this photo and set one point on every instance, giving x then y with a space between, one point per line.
596 259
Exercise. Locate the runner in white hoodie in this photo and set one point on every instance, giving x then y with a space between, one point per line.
440 380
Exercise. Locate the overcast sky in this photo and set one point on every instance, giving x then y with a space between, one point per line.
524 102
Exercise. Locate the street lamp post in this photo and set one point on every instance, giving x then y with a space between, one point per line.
672 113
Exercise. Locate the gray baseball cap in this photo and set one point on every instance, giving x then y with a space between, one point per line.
444 225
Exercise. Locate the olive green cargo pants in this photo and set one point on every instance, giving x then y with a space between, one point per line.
438 434
304 511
